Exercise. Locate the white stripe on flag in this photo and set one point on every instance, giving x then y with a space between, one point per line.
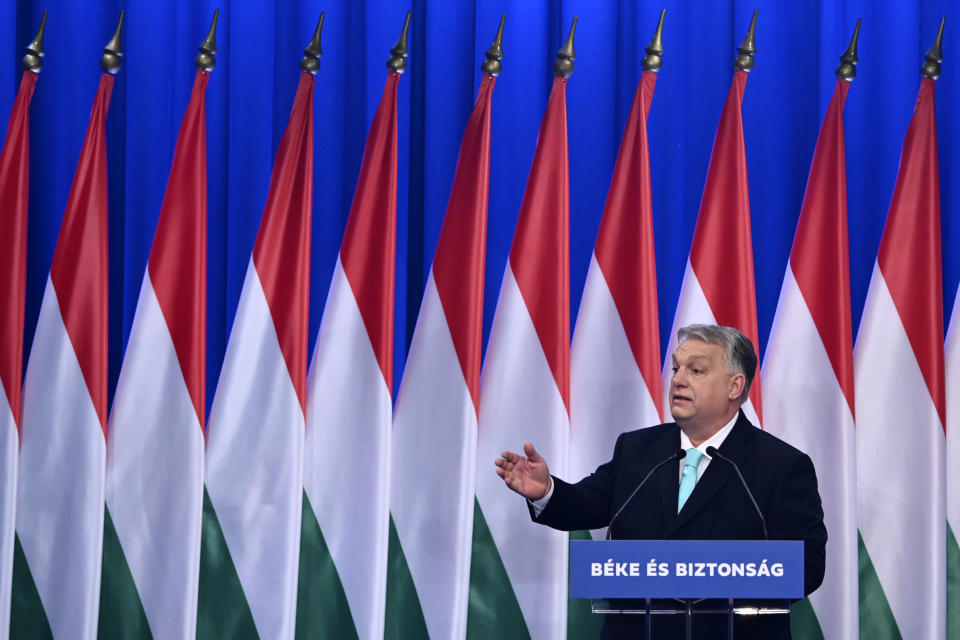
155 473
347 454
520 401
60 493
607 393
900 454
435 419
9 449
254 463
953 417
805 406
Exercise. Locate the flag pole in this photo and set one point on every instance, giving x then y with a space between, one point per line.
563 66
113 51
312 54
494 53
848 61
653 61
398 54
206 59
747 49
931 66
33 60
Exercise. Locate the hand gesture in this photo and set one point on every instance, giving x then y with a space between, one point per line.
527 475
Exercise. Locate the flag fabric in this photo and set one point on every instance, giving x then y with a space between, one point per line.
519 568
432 505
154 486
900 403
254 454
14 192
953 470
60 492
718 283
808 370
349 409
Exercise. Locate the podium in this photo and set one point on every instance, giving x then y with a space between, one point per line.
687 578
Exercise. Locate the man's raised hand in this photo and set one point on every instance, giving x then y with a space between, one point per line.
527 475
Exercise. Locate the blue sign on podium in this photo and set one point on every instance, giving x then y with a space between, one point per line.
686 569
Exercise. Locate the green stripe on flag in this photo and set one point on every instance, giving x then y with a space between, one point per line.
876 617
582 622
953 585
121 611
322 608
28 620
222 609
493 611
803 621
404 617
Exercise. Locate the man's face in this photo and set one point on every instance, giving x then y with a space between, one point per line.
701 389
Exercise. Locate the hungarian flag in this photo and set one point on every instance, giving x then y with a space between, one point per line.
151 548
519 568
14 191
343 563
432 504
899 386
60 492
718 283
953 470
254 456
808 370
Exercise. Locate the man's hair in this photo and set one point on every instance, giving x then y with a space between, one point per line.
738 351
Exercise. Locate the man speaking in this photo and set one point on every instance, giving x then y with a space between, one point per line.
699 496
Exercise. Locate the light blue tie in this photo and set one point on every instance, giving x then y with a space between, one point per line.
689 479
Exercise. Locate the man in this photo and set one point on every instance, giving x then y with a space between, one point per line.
713 368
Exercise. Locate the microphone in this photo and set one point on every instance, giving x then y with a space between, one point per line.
679 454
713 453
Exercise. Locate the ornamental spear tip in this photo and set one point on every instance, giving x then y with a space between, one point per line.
931 66
33 61
398 54
205 60
653 61
563 65
848 61
494 53
113 51
747 49
312 54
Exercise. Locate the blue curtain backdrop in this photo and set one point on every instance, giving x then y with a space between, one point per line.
251 91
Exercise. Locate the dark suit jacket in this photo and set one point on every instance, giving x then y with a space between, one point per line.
781 477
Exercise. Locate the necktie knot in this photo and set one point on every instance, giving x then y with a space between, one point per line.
689 479
693 458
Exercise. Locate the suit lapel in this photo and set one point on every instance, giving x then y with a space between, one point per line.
734 446
668 478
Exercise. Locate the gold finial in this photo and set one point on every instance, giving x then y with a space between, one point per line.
399 52
747 49
33 61
848 61
313 52
113 51
653 61
931 66
494 53
208 48
563 65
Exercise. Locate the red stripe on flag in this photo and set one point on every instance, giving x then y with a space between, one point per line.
178 259
625 249
14 192
722 251
281 254
458 266
909 255
820 258
79 269
540 255
369 244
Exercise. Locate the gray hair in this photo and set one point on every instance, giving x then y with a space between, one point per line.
738 350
